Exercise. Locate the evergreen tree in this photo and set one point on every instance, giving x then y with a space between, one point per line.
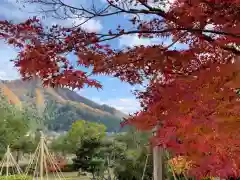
89 158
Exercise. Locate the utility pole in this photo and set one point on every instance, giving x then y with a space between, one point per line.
157 159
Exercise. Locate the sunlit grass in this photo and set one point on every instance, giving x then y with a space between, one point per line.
72 176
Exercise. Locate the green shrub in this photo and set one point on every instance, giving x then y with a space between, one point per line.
16 177
68 168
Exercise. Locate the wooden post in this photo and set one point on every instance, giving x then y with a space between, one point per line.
157 160
145 167
157 163
41 155
7 163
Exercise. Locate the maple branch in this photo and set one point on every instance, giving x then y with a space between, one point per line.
92 13
227 48
170 30
163 14
153 9
82 12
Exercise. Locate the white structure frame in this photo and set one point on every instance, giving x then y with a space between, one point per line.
41 160
9 161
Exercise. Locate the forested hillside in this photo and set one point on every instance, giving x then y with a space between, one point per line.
59 107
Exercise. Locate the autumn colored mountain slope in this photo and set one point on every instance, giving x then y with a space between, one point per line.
68 105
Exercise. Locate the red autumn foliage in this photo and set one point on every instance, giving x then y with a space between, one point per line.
191 94
59 164
199 116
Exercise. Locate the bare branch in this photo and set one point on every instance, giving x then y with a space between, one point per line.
116 7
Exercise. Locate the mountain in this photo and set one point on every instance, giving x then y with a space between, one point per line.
68 106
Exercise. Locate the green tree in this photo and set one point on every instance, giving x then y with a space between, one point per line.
26 144
130 165
122 156
111 151
61 145
15 129
84 130
133 138
79 131
14 124
89 157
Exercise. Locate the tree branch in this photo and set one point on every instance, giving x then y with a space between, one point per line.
78 12
173 29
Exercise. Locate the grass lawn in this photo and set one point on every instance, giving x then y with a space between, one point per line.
71 175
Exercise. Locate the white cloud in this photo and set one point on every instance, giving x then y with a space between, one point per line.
210 27
112 78
18 13
163 4
91 25
9 10
126 105
7 69
134 40
79 91
140 87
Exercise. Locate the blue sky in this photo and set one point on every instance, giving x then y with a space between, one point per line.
115 93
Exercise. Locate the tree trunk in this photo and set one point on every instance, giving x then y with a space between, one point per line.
93 176
18 156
